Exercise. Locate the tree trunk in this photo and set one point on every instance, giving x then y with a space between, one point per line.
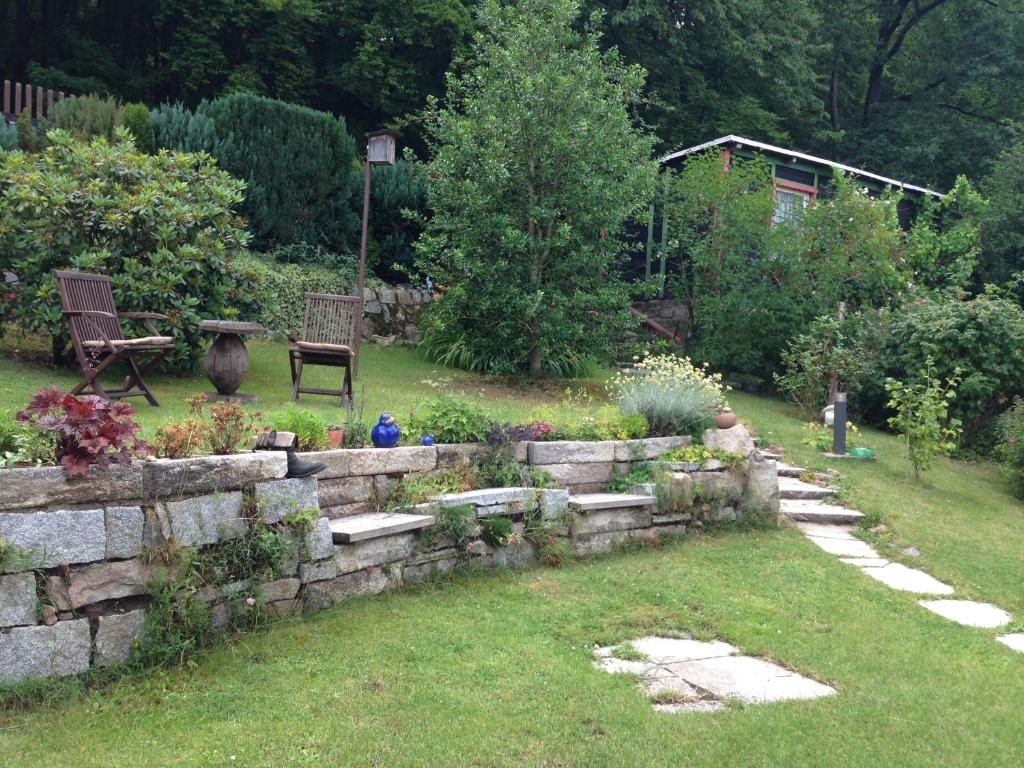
536 359
57 346
833 95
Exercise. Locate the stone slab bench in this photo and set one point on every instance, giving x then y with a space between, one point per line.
375 525
587 502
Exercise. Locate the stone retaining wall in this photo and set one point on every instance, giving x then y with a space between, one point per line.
393 314
76 593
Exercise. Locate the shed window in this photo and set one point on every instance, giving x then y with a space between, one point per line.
789 205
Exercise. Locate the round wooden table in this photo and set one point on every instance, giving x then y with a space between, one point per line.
227 360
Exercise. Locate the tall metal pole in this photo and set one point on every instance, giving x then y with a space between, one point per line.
362 264
650 242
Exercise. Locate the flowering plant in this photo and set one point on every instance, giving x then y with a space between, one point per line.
676 396
88 430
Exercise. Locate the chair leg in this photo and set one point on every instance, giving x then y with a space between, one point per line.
347 388
296 381
137 376
91 378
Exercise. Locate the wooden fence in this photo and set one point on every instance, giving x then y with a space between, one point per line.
35 100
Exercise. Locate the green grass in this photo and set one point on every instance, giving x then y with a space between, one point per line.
495 669
393 379
961 515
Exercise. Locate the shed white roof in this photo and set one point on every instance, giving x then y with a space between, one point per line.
739 140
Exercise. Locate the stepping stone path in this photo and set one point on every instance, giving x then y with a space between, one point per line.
682 674
968 612
899 576
1015 641
828 526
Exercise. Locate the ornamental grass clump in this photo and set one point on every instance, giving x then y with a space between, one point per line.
675 396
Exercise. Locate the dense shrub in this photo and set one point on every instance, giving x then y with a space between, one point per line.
829 350
86 117
1010 446
25 133
676 397
297 164
397 191
162 226
136 119
755 287
8 136
537 165
450 420
982 337
278 289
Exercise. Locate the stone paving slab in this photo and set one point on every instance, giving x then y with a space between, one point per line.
899 576
865 562
787 470
682 674
666 650
844 547
826 530
795 488
748 679
1014 641
811 510
614 666
968 612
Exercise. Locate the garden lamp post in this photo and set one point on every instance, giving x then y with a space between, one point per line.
380 150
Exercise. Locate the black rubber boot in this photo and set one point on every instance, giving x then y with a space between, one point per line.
286 441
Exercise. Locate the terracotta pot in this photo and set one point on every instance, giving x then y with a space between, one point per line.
725 419
336 437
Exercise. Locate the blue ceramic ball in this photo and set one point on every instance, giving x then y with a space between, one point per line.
427 439
386 433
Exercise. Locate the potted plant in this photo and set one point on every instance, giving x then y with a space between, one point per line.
336 435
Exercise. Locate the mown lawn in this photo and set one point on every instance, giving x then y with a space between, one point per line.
962 517
495 669
391 379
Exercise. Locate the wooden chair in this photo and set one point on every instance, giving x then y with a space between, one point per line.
99 342
328 338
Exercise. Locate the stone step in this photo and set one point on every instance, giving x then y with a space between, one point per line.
772 455
815 511
788 470
346 530
589 502
794 488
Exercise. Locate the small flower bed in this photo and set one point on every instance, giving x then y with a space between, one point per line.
698 454
675 396
86 431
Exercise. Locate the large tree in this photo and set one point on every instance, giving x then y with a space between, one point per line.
718 67
537 164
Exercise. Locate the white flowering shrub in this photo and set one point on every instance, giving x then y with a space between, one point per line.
677 397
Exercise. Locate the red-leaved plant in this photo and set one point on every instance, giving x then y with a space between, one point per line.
89 431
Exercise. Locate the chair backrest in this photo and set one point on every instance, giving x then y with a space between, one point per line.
80 292
330 319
